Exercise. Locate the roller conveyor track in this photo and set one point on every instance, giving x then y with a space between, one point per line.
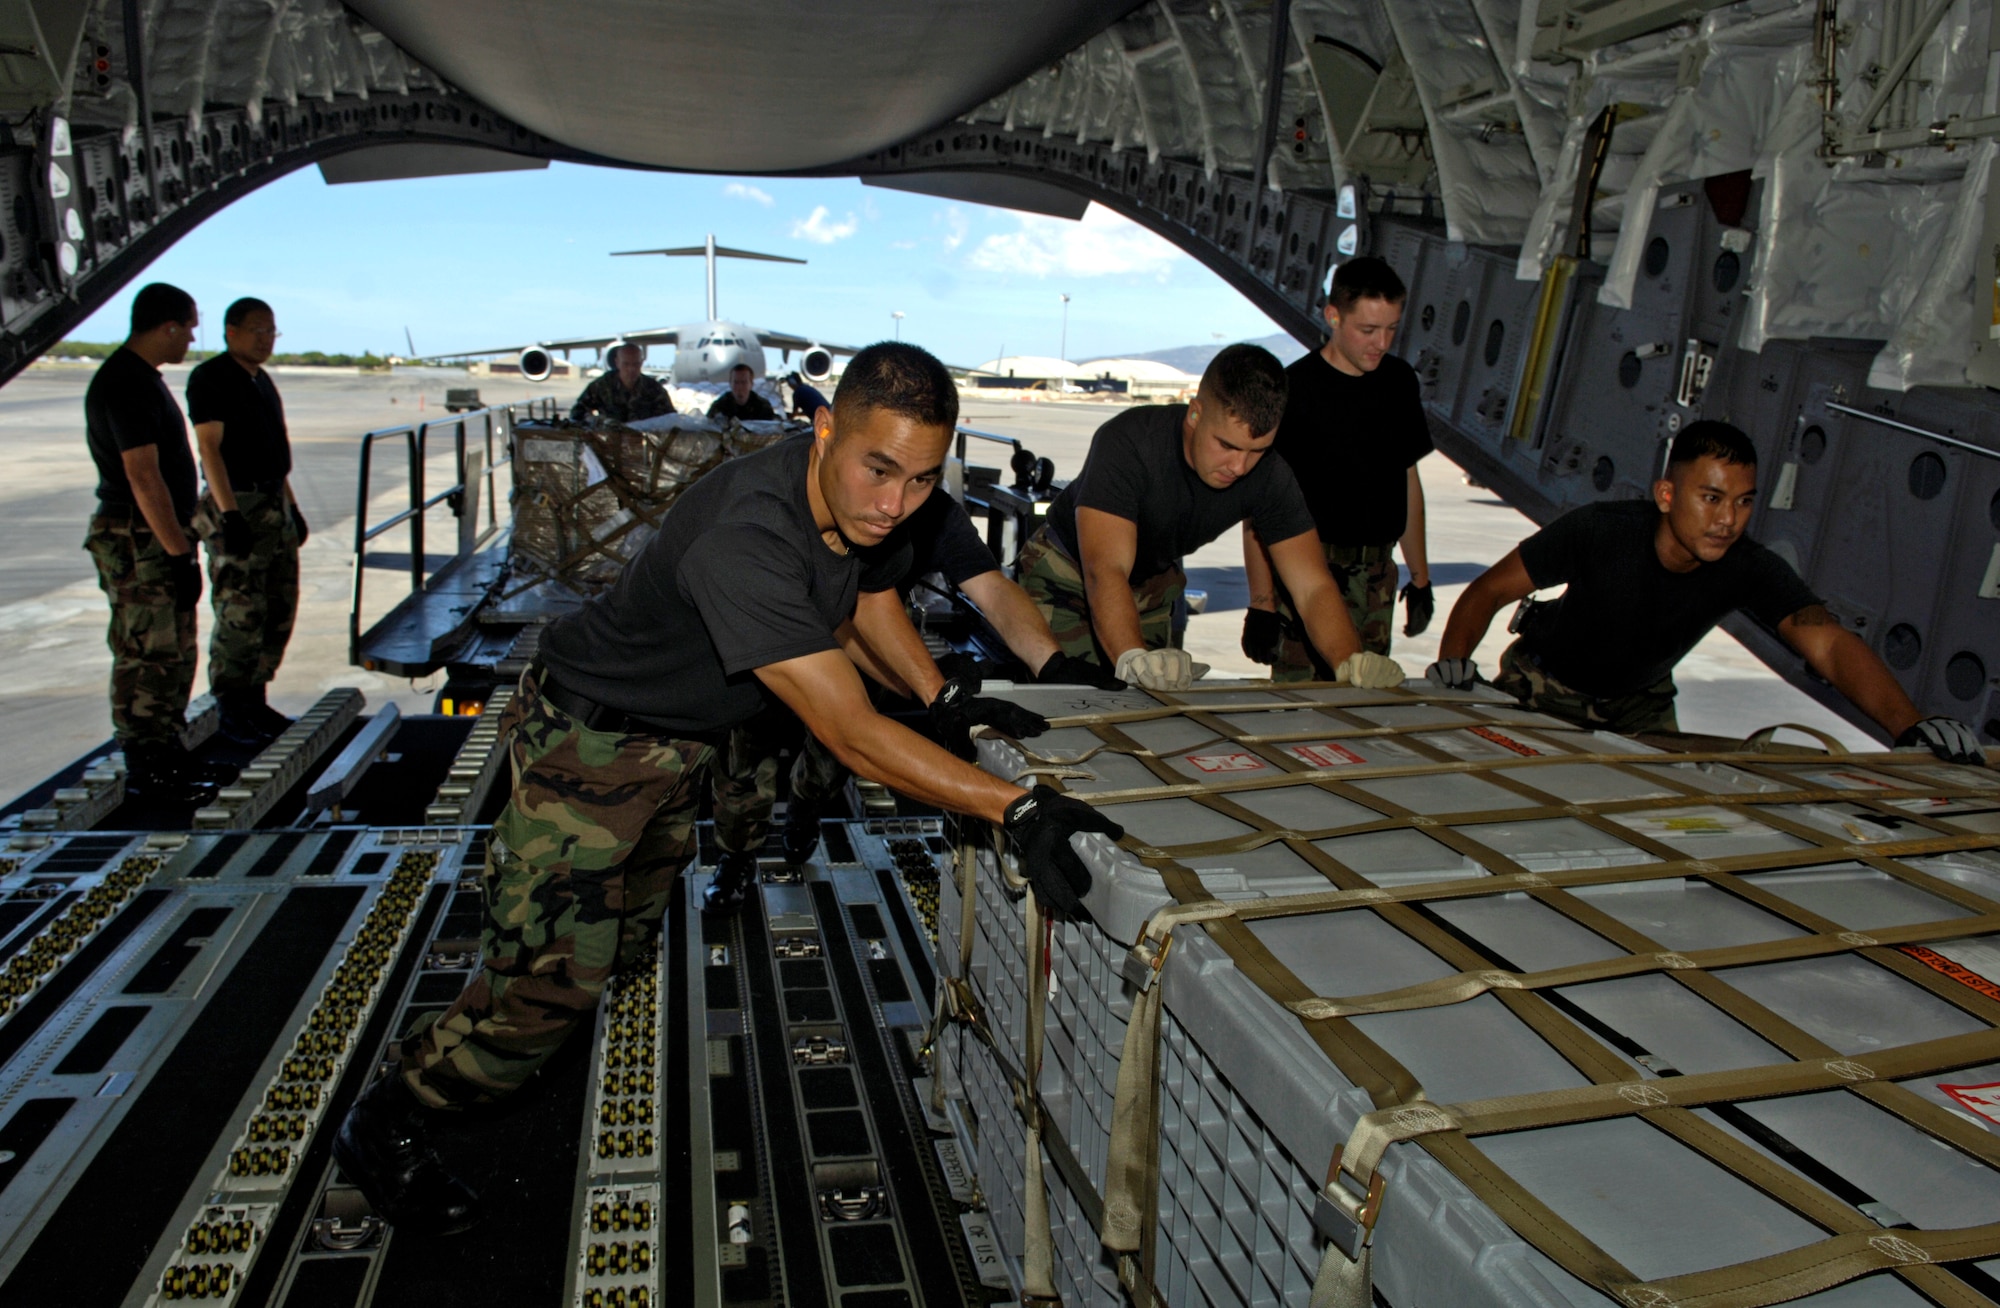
195 1012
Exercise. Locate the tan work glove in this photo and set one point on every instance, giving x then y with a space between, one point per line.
1371 671
1159 669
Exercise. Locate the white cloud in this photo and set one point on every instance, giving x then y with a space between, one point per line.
739 191
1101 245
956 226
819 231
902 245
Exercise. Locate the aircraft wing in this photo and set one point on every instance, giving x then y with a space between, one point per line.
651 336
787 341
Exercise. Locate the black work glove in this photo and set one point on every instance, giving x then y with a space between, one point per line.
187 581
1419 607
1948 738
958 709
237 538
299 522
1068 670
1041 823
1262 630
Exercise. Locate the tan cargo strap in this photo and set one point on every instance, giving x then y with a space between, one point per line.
1038 1241
1767 735
1461 986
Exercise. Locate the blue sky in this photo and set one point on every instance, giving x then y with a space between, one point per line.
500 258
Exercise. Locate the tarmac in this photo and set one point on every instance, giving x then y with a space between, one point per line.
54 664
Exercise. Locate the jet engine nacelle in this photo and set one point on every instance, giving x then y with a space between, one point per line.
816 364
536 365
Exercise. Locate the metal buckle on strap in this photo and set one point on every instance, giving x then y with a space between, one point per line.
1344 1218
1142 965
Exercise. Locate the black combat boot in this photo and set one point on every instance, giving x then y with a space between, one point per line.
267 717
160 773
381 1147
243 717
735 876
801 836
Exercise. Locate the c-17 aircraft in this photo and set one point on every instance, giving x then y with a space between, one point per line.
705 351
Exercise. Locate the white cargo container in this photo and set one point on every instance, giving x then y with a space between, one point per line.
1251 1107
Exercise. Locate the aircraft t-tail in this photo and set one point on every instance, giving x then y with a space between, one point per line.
705 351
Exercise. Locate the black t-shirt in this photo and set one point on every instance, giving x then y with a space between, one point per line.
254 444
1625 619
942 538
1351 442
1136 471
128 406
737 578
754 409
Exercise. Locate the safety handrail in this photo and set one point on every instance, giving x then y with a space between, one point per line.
497 422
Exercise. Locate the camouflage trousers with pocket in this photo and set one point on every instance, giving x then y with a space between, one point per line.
1055 583
256 597
1366 577
152 643
746 778
579 868
1651 709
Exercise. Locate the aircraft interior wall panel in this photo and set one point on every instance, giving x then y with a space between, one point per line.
1501 323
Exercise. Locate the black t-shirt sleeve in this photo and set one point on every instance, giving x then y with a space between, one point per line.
750 586
135 414
884 567
1552 555
1412 436
1280 512
955 547
204 397
719 409
1772 592
1115 479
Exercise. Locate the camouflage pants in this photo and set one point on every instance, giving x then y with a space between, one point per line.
1651 709
1053 580
152 644
746 782
578 872
256 596
1366 577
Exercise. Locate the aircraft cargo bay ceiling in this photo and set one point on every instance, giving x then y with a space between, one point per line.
1615 215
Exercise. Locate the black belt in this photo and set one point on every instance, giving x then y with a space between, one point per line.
593 716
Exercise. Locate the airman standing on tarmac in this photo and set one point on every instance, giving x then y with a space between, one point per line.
624 393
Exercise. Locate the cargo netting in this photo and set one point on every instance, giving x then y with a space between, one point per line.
1704 1026
588 498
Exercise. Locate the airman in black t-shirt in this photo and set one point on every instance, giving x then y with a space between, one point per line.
255 527
774 573
1164 480
944 543
141 540
1353 432
742 403
1646 581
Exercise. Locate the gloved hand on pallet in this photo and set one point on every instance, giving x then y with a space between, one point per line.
1370 671
1040 824
958 708
1160 669
1452 674
1949 739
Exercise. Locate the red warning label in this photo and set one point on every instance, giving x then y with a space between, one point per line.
1504 741
1236 762
1958 972
1327 755
1981 1099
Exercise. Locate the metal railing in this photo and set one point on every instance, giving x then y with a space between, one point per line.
490 428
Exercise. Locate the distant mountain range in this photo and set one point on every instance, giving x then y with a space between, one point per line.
1193 358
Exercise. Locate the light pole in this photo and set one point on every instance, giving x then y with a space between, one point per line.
1065 330
897 314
